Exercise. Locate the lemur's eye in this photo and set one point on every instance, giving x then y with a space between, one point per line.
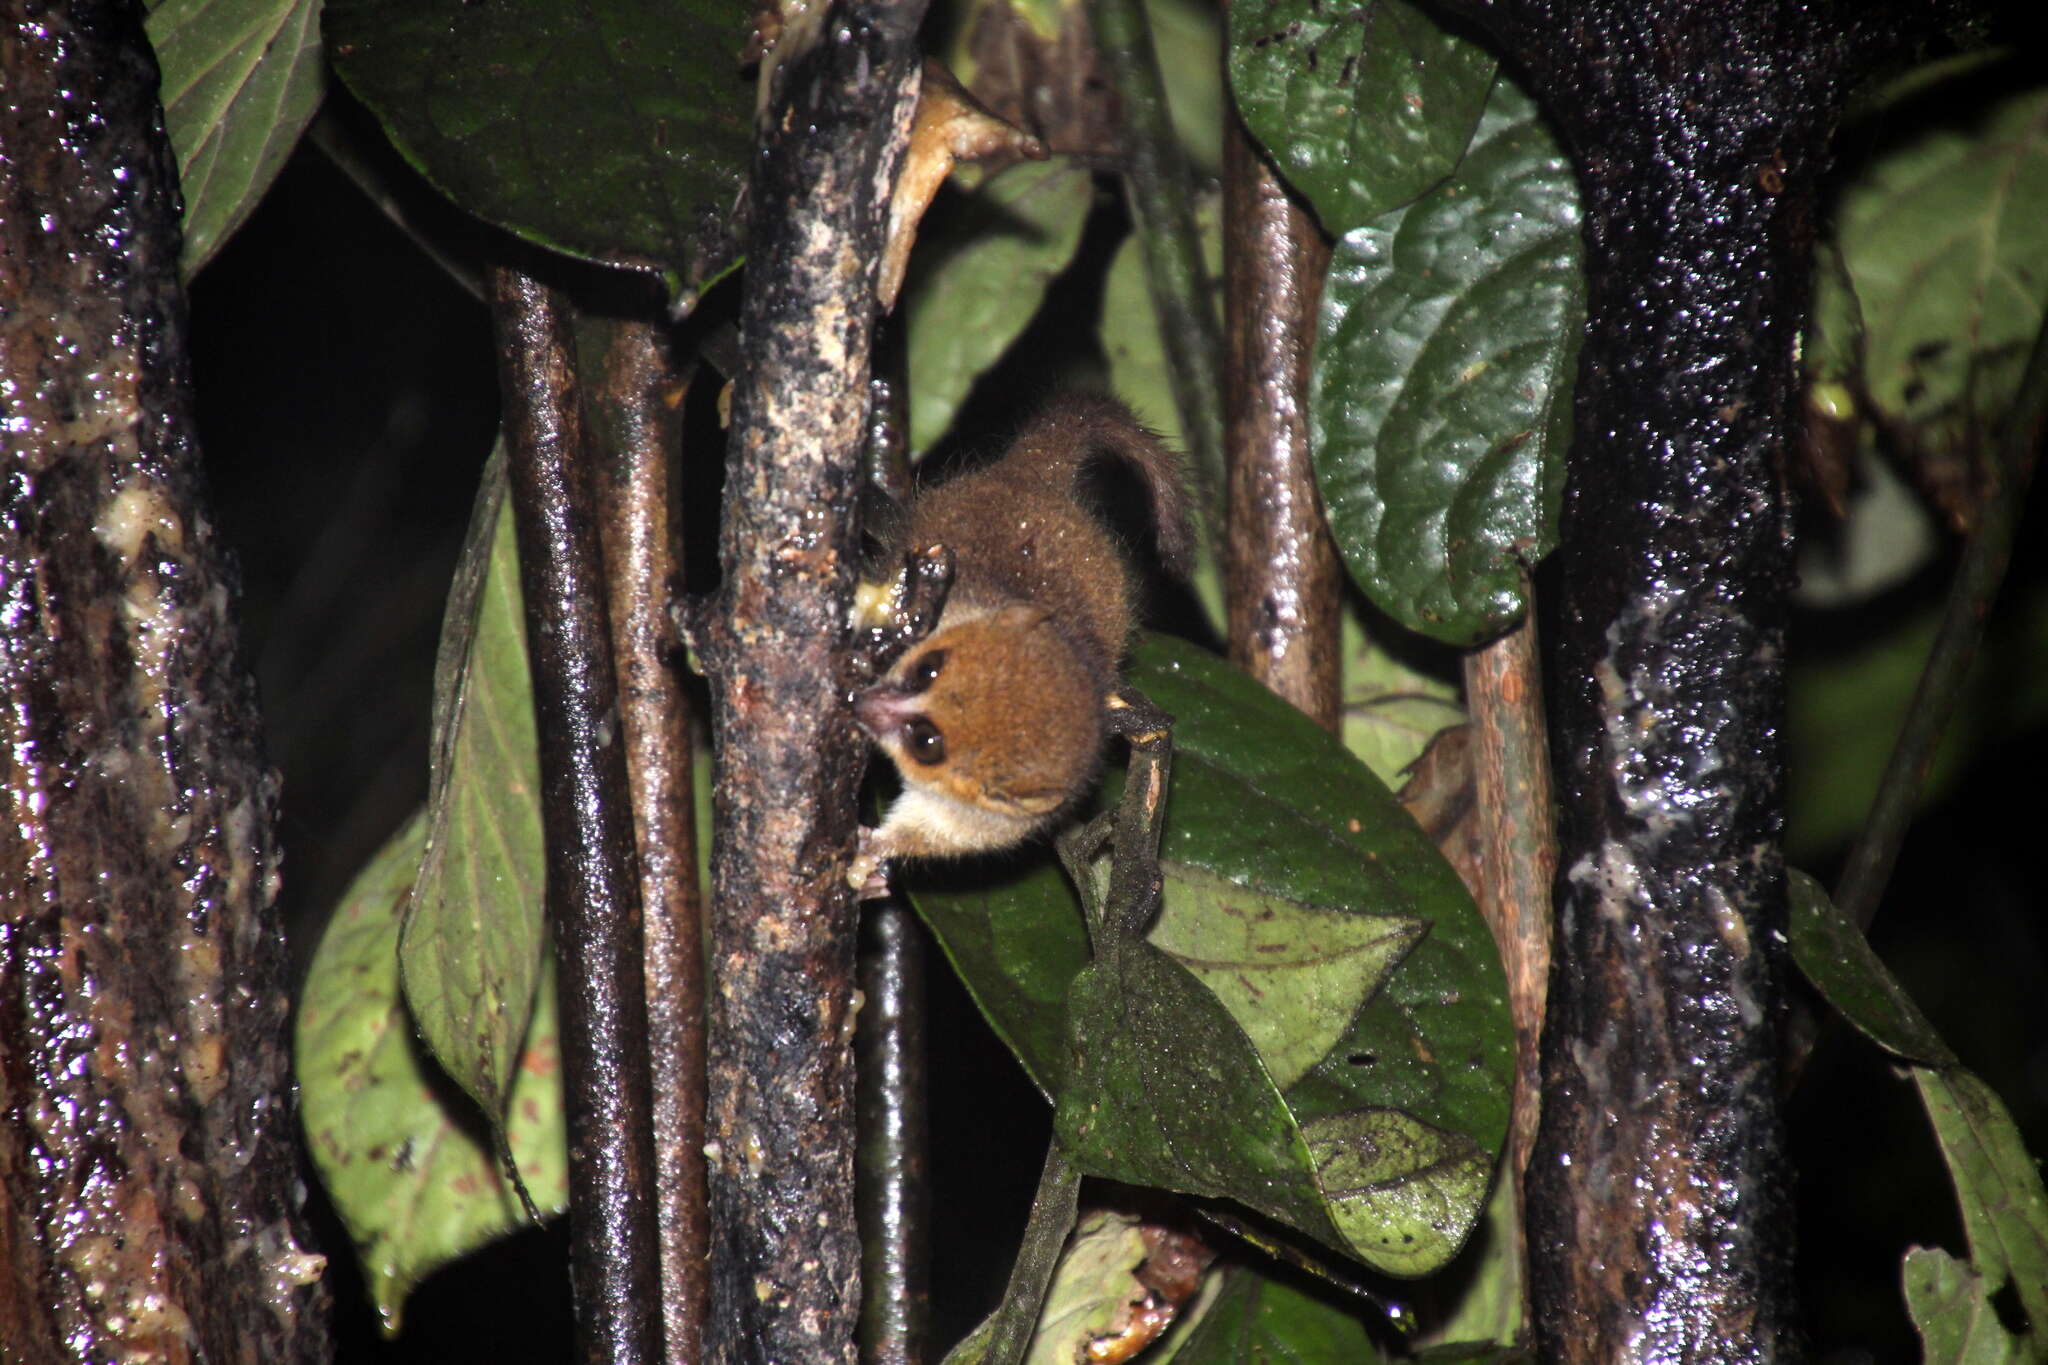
923 741
926 671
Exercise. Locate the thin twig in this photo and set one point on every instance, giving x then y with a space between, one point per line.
637 405
1970 596
586 816
1282 576
894 1174
1053 1211
1518 866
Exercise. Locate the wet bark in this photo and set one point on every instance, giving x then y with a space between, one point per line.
1659 1192
149 1208
636 409
785 1251
1281 579
593 889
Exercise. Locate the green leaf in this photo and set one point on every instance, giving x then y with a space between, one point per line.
1349 1072
1477 1302
473 937
1138 372
1259 1318
615 133
1945 238
1840 963
1363 107
1189 37
241 80
1093 1293
1164 1089
407 1160
1318 966
1391 711
984 261
1440 402
1998 1186
1130 324
1951 1308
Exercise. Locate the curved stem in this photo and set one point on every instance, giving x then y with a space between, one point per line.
1970 596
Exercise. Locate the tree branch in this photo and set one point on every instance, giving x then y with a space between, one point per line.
785 1251
593 888
1659 1212
148 1131
637 407
1282 576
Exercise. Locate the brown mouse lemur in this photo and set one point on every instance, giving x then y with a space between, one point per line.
995 719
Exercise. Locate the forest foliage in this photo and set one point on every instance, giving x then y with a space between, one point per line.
1320 989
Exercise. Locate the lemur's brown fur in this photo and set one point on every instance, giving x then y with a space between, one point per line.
994 720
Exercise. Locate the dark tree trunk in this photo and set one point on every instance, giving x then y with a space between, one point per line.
149 1206
785 1251
1659 1192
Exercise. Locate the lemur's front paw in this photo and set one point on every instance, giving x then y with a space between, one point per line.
868 873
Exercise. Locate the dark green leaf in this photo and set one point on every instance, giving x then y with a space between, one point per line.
980 272
1164 1089
1945 238
241 80
1440 404
407 1160
1349 1071
1951 1307
1259 1318
1840 963
1998 1186
1363 106
613 132
473 937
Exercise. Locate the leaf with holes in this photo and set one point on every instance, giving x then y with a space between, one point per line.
406 1159
612 133
241 80
1998 1186
1440 400
1363 107
474 932
1951 1309
1316 1026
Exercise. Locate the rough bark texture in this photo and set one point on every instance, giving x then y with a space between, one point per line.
1281 569
785 1260
638 415
1516 870
593 887
149 1186
1659 1193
